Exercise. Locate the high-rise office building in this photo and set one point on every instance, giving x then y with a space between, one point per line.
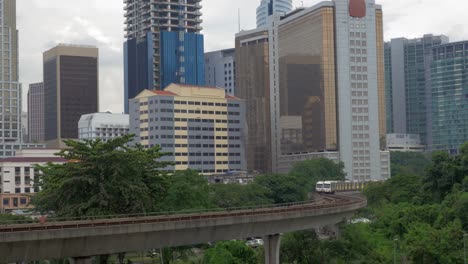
36 112
201 126
10 88
253 86
163 45
270 7
70 90
405 84
220 69
447 85
326 87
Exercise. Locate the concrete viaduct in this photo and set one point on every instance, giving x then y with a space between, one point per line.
80 240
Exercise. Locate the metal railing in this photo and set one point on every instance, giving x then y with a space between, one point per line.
334 201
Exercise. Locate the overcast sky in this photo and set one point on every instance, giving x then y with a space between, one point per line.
44 23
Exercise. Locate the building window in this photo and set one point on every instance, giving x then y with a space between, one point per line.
17 190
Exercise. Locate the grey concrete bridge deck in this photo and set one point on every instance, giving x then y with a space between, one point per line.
81 239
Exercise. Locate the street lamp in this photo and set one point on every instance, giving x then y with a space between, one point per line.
395 241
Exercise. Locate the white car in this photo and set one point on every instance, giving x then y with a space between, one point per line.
256 242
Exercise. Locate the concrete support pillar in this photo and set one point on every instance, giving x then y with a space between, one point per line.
81 260
271 244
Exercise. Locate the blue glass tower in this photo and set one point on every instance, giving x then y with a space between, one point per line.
163 46
270 7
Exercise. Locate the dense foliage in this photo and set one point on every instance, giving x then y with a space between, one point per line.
312 171
409 163
418 216
230 252
9 219
102 178
105 178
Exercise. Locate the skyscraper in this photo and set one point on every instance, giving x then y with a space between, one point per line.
10 88
163 46
36 112
326 87
447 87
253 86
220 69
270 7
70 90
405 84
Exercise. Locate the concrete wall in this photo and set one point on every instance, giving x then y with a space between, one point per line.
115 237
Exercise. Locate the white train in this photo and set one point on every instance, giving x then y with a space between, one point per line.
340 186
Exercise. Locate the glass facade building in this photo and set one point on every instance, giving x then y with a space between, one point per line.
253 86
10 88
307 83
405 83
163 46
270 7
448 86
326 86
70 90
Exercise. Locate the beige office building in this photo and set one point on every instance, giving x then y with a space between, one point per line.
202 127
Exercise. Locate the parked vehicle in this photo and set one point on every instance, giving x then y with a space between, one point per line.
256 242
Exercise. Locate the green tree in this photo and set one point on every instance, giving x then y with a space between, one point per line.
443 173
399 188
425 244
412 163
300 247
460 208
102 178
283 188
11 219
230 252
312 171
235 195
177 254
188 191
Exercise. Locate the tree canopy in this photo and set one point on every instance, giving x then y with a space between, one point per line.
102 178
230 252
409 163
188 191
312 171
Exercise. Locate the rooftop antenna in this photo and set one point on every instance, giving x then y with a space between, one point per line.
238 19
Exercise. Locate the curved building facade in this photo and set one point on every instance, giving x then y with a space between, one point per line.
270 7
